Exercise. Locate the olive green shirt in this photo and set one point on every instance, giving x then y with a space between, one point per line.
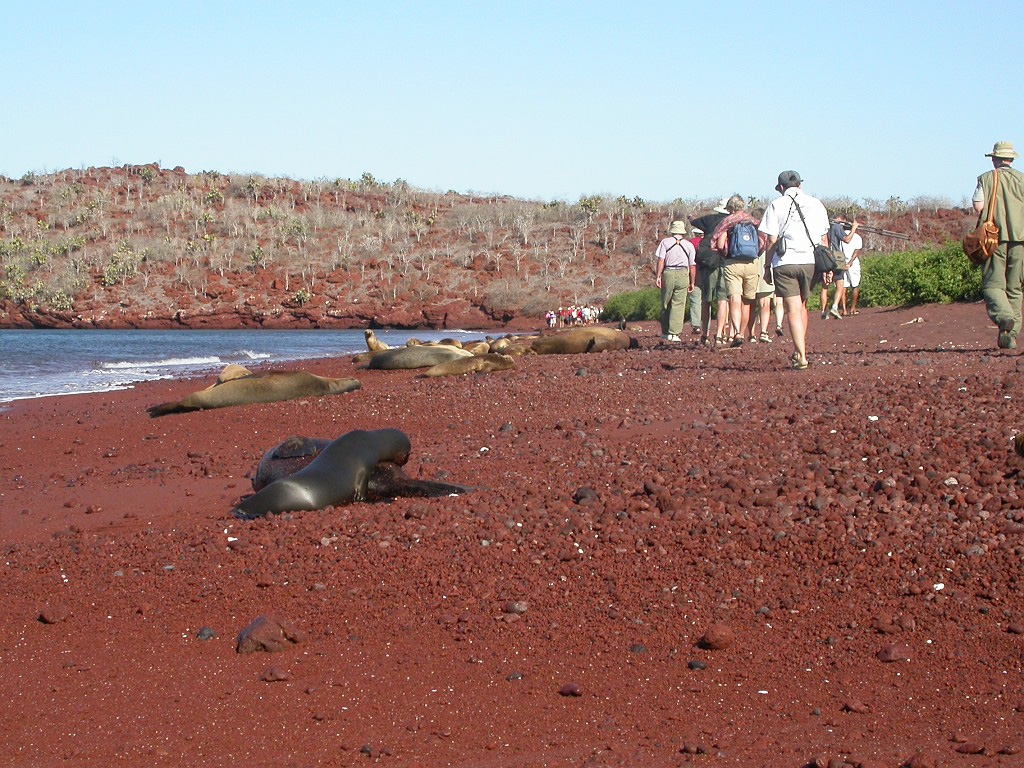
1009 210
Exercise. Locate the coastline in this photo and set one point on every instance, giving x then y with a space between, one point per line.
623 504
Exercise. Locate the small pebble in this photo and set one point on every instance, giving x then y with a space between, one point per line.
570 689
697 664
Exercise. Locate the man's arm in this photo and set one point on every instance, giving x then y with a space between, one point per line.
852 232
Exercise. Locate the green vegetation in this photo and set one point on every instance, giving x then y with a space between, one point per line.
636 305
935 275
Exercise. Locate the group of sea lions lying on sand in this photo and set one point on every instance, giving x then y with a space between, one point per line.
450 357
304 473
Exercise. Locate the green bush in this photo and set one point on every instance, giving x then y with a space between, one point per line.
932 276
635 305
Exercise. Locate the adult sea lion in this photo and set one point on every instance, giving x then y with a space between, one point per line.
417 356
581 340
475 364
358 466
245 388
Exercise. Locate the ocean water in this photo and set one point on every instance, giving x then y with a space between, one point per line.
42 363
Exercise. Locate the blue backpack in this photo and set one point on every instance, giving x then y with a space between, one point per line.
743 241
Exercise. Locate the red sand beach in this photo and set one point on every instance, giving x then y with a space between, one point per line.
671 556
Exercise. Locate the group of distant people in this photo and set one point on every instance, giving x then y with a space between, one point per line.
564 317
757 266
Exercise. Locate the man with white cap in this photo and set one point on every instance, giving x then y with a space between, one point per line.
1002 275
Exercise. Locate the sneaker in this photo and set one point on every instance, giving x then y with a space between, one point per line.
824 315
778 330
765 338
672 337
835 313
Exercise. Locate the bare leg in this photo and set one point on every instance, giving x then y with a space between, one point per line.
736 313
722 329
796 310
765 313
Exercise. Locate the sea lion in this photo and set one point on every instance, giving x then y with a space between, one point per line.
477 347
358 466
373 344
246 388
418 356
581 340
475 364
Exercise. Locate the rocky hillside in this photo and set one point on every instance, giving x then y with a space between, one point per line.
149 247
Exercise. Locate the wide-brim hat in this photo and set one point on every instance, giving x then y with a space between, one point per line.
677 228
696 231
1003 150
720 208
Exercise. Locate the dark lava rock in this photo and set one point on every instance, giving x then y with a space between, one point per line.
585 495
205 633
268 635
570 689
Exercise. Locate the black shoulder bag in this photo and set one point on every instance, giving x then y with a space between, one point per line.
824 261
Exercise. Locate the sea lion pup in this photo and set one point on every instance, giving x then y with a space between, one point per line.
358 466
475 364
373 344
418 356
477 347
580 340
245 388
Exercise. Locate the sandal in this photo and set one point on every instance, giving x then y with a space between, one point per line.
765 338
737 341
797 364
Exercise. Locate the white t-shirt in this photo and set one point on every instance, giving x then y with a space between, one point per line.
853 268
781 220
855 244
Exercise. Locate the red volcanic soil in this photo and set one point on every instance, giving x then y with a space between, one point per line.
672 556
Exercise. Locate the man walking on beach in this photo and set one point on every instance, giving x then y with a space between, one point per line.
794 223
1003 274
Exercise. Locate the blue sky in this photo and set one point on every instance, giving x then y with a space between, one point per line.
540 100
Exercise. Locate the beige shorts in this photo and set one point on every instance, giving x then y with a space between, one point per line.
742 277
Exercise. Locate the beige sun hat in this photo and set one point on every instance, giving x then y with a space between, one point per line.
720 208
1003 150
678 228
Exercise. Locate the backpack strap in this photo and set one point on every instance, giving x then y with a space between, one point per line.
992 202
